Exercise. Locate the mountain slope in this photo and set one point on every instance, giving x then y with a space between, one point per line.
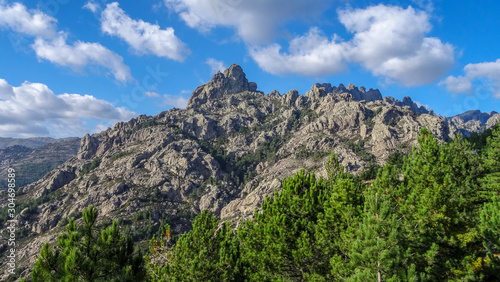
225 152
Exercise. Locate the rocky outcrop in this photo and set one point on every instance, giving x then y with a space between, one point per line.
321 90
407 101
225 152
232 81
88 147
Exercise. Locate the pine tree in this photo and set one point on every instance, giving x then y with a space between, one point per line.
279 243
206 253
342 211
84 253
377 252
490 230
492 162
440 200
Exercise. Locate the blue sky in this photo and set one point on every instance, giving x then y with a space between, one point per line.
70 67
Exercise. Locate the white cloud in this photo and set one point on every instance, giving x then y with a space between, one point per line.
215 65
32 109
6 91
152 94
51 45
33 22
458 84
174 101
143 37
427 5
427 107
100 127
311 55
92 6
488 71
255 21
389 41
81 54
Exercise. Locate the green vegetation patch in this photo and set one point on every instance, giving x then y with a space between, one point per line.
86 168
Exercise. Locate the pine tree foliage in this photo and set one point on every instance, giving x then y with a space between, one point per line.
490 230
279 243
206 253
489 265
84 253
439 198
492 162
342 212
377 252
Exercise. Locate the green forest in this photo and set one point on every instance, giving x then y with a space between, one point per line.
433 215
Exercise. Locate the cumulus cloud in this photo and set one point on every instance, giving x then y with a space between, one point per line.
215 65
51 45
311 55
458 84
143 37
81 54
174 101
152 94
33 22
32 109
390 41
387 40
488 71
255 21
92 6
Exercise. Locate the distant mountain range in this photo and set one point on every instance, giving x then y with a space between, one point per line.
474 121
33 142
225 152
34 157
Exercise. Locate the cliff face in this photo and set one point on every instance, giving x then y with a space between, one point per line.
225 152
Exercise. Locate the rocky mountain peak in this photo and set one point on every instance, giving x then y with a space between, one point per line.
352 87
235 72
232 81
320 90
88 147
342 88
407 101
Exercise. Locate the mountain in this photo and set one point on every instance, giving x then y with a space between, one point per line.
225 152
32 142
473 121
33 160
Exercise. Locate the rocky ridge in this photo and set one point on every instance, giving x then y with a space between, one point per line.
225 152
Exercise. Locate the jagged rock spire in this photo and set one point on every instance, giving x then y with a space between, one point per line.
320 90
232 81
